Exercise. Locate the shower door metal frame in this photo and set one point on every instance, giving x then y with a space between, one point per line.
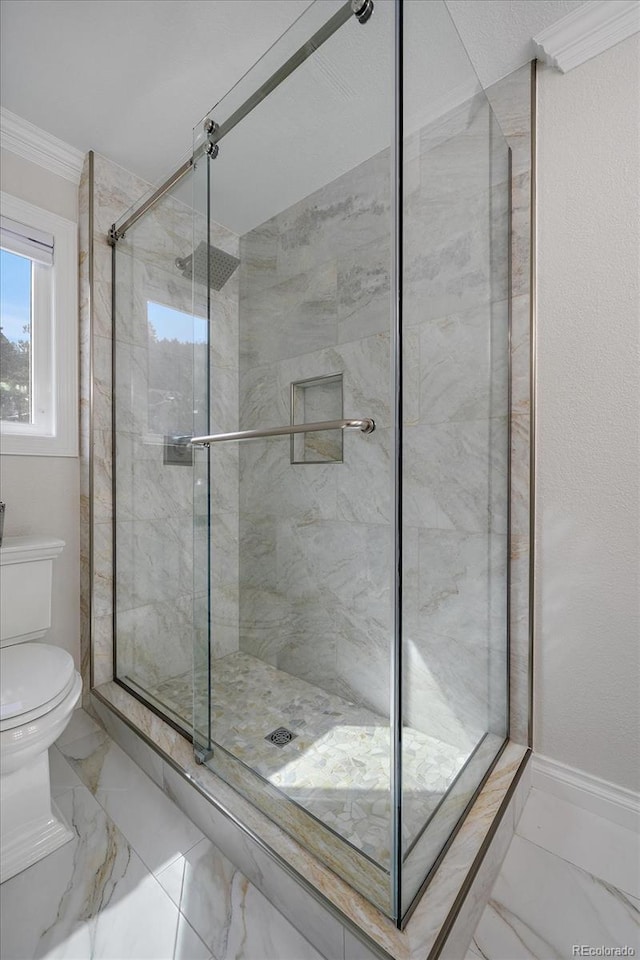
215 132
395 666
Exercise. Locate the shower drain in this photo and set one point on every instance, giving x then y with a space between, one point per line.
281 736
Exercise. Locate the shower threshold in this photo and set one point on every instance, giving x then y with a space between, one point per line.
336 767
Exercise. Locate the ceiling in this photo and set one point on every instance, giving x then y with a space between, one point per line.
132 79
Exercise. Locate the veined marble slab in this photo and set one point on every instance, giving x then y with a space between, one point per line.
588 841
159 833
87 899
541 907
219 816
230 914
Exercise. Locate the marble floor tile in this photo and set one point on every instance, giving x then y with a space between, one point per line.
288 897
80 725
541 906
118 730
585 839
92 898
157 830
354 949
62 775
233 918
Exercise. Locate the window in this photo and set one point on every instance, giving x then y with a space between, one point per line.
177 358
16 382
38 331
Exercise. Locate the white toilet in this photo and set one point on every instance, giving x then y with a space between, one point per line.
39 688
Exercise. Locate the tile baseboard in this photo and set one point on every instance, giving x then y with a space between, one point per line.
617 804
588 841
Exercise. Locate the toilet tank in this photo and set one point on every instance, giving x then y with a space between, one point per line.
26 576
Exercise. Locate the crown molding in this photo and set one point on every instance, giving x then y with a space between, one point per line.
587 31
31 143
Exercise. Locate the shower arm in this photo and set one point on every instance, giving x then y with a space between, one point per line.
365 425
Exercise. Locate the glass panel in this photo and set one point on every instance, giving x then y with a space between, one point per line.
455 334
302 533
203 373
160 341
255 589
15 338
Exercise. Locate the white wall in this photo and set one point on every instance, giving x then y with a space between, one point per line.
587 670
42 494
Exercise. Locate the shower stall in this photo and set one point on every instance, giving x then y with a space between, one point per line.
311 423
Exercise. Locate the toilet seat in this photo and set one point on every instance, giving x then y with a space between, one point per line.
35 678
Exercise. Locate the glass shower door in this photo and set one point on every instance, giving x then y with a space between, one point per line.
159 346
339 566
301 524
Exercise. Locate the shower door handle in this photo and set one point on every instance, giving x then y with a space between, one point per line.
365 425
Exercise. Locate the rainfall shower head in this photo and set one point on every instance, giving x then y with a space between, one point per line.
216 271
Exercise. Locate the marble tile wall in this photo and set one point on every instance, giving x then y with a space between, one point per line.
316 560
316 539
455 299
457 563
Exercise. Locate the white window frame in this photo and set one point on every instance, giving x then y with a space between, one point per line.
54 342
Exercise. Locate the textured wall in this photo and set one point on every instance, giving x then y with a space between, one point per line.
587 601
42 493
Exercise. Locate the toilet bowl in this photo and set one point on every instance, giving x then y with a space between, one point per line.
39 688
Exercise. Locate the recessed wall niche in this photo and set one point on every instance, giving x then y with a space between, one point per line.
312 401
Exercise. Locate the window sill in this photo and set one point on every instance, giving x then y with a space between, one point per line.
20 445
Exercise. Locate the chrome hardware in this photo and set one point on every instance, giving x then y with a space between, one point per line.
117 233
201 754
362 9
281 737
365 425
211 149
210 126
177 450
